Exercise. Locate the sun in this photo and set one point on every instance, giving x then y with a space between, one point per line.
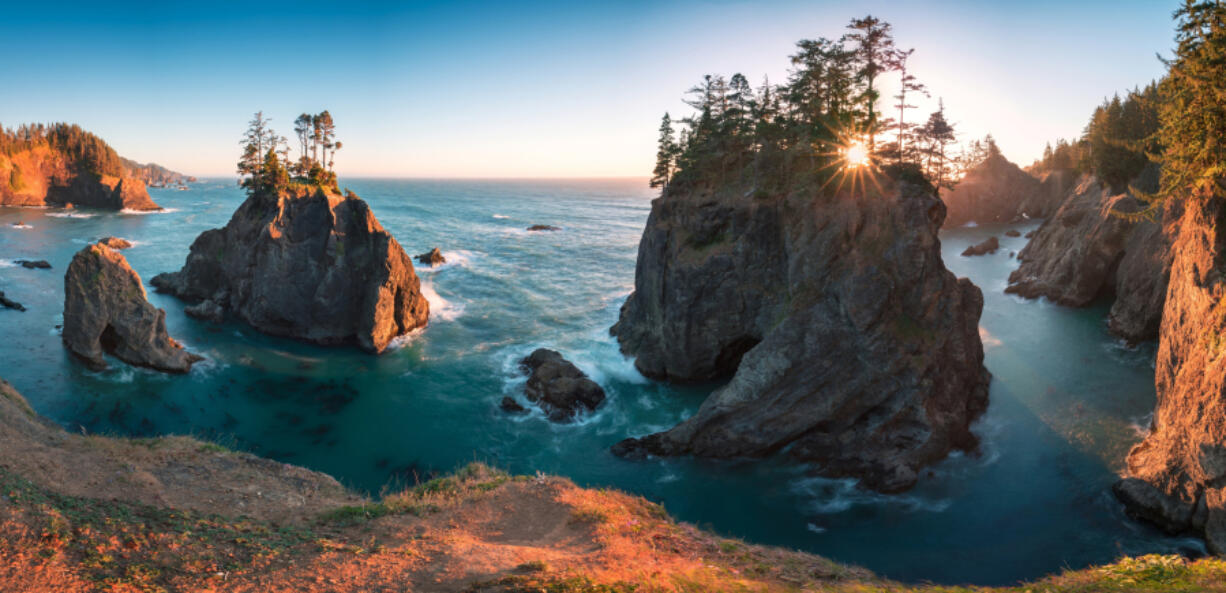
855 154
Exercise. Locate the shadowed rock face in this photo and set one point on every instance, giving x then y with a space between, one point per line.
49 178
105 311
1084 252
990 245
997 191
1177 475
846 338
305 264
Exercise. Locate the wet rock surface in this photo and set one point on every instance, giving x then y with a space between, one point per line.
558 386
434 257
105 311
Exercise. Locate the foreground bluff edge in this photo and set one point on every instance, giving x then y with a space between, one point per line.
847 339
305 263
105 310
1177 475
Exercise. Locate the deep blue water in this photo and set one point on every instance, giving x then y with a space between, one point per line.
1067 399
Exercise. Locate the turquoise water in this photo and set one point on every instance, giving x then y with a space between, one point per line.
1067 399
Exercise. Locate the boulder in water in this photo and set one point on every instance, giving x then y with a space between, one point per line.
39 264
558 386
105 310
115 243
543 227
10 304
434 257
305 263
1013 233
988 246
510 406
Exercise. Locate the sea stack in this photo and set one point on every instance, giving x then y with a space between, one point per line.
1177 475
997 191
847 340
304 262
105 310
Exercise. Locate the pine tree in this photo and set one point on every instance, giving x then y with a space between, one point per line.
1193 112
937 134
907 84
875 53
666 155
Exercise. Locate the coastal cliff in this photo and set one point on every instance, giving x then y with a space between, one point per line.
1085 251
307 263
846 338
64 166
998 191
156 175
1177 475
105 311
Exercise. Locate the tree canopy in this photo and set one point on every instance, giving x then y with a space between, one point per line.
265 163
778 135
83 148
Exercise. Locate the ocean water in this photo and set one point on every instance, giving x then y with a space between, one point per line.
1067 399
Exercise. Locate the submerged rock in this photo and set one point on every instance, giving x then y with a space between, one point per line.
1085 251
39 264
558 386
543 227
989 245
10 304
105 310
308 264
434 257
115 243
1177 474
510 406
847 340
994 191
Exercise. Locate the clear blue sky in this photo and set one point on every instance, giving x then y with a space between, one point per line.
529 89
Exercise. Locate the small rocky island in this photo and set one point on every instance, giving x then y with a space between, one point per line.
998 191
298 259
106 311
63 166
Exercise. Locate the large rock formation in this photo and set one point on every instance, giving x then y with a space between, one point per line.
305 263
1177 475
1085 252
995 191
848 341
44 176
105 310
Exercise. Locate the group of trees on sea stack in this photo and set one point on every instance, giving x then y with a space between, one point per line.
266 165
777 135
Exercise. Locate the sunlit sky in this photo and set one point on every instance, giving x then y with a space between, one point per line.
531 89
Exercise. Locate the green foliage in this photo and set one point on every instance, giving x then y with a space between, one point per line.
82 148
15 180
1193 112
1120 134
427 497
782 137
265 164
